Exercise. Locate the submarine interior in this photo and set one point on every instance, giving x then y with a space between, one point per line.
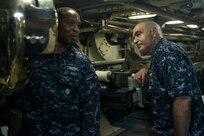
28 28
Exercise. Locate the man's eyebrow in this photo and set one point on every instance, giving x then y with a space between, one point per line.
137 33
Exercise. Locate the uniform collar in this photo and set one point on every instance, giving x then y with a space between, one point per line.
160 43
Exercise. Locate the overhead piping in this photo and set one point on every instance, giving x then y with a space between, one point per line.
194 4
138 5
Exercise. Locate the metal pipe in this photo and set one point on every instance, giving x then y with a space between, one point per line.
88 29
194 5
179 35
117 29
108 62
111 22
175 29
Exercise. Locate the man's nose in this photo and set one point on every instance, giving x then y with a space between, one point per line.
135 40
76 28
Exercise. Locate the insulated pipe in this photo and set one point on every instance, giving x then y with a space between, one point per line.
104 76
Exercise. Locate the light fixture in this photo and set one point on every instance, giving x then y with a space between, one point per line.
18 15
203 28
192 26
27 1
174 22
140 16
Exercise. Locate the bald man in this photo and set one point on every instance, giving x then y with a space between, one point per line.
62 98
176 98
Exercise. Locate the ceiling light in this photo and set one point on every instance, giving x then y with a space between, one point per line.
174 22
18 15
192 26
203 28
142 16
27 1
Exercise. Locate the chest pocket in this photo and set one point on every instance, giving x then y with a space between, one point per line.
69 76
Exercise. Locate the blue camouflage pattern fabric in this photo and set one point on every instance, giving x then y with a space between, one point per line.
171 75
62 97
202 79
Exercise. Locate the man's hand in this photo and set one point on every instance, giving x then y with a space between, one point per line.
141 76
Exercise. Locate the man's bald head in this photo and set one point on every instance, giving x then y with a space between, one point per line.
63 12
151 24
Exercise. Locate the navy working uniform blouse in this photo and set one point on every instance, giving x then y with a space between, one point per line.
172 75
202 79
62 97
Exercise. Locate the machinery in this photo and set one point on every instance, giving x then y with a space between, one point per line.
28 28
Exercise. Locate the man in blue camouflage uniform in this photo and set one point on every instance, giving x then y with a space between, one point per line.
176 98
62 97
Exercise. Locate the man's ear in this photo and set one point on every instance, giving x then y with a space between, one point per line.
154 31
